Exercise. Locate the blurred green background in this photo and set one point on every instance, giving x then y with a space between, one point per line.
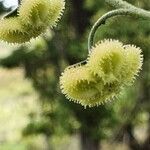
34 115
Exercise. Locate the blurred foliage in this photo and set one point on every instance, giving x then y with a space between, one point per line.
44 59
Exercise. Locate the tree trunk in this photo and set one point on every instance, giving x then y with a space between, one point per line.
132 142
146 144
88 143
126 135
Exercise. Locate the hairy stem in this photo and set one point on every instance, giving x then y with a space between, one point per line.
124 9
119 4
102 21
135 11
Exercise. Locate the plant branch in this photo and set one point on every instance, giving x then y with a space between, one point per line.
119 4
135 11
124 9
102 21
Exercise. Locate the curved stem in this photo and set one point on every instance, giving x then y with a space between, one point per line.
102 21
123 8
110 14
119 4
138 12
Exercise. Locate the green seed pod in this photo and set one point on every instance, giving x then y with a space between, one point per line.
77 84
37 15
11 31
110 67
34 12
133 65
106 60
33 19
105 93
41 12
55 11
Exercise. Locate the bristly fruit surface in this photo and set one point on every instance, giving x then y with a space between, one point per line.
110 67
33 19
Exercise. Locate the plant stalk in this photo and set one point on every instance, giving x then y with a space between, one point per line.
135 11
123 8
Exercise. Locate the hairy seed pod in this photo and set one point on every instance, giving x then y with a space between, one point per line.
38 15
106 60
55 11
34 12
33 19
12 31
76 83
41 12
110 67
133 65
106 92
